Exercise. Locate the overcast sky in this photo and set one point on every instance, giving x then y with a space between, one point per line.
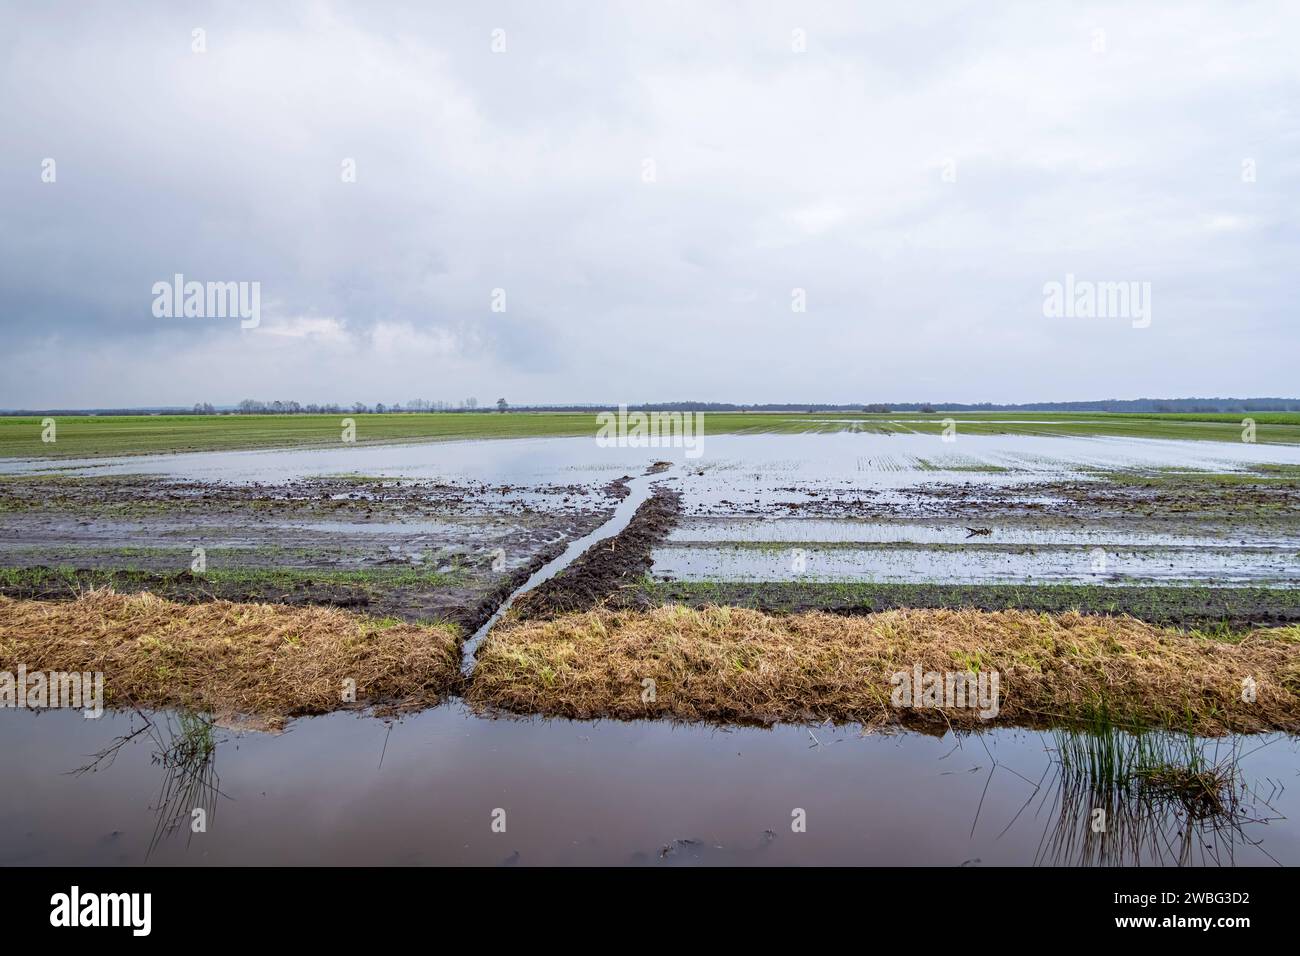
920 170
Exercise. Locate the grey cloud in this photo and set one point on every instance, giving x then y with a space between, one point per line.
523 170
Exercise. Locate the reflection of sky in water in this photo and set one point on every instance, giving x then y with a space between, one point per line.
344 790
981 565
796 530
863 459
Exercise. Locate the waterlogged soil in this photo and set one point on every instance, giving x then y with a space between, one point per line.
428 789
415 530
415 549
616 565
1131 528
1136 503
1142 501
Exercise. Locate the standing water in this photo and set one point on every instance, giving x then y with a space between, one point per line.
638 492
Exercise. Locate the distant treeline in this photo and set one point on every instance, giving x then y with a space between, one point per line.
250 406
253 406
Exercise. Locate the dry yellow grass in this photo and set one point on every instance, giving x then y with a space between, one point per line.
262 660
731 664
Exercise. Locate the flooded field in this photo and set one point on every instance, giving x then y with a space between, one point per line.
812 456
839 506
455 531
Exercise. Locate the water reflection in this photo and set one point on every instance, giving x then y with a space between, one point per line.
344 789
1112 797
185 749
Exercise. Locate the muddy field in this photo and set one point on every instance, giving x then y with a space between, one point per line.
1170 531
528 533
419 550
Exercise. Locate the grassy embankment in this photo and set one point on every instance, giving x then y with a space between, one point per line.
266 661
720 664
730 664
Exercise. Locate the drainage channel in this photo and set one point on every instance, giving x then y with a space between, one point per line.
639 491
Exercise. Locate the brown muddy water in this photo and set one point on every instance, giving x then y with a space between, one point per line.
427 789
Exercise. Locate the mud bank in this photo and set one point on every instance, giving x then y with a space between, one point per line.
1069 497
615 565
1136 500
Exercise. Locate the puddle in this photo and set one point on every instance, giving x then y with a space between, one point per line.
796 531
981 563
347 790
